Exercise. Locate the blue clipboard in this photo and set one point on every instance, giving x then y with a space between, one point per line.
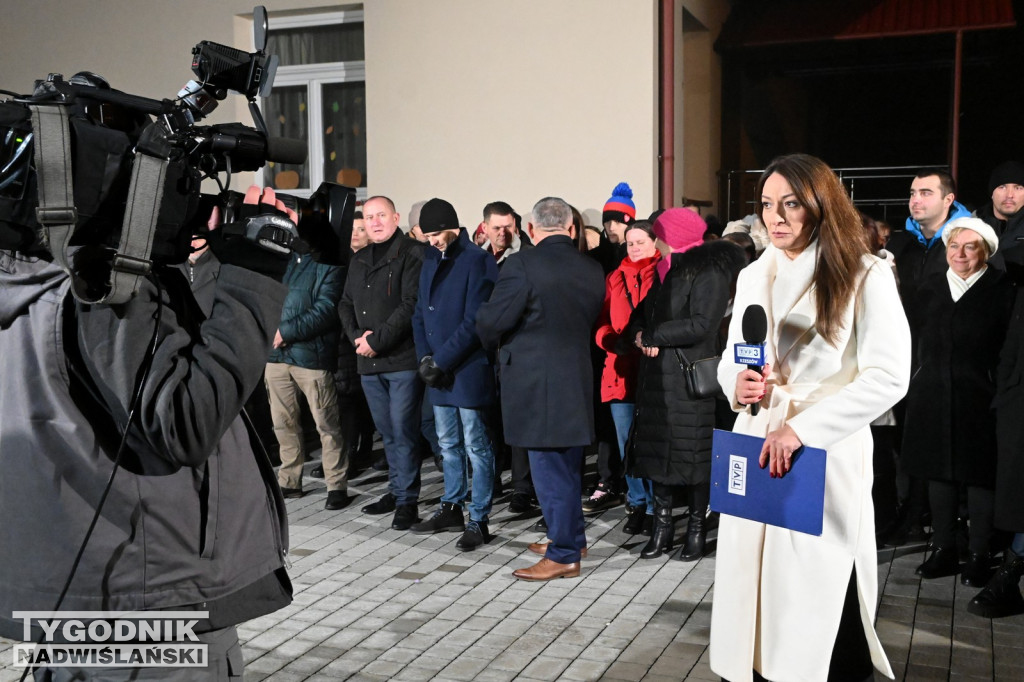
740 487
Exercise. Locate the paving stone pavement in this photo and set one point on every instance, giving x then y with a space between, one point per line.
372 603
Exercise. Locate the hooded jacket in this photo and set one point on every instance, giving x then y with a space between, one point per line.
194 518
918 257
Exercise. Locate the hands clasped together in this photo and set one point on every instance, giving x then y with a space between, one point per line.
779 445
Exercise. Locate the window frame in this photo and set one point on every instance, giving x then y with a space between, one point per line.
314 77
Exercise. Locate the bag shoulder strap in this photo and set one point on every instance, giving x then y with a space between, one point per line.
625 287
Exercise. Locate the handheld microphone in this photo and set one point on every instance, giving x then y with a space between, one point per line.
751 351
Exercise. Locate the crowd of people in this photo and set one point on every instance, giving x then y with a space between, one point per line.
525 343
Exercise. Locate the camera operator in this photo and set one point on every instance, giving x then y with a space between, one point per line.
194 519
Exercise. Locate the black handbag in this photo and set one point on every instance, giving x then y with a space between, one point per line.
701 376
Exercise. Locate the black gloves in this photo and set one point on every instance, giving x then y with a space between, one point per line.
434 376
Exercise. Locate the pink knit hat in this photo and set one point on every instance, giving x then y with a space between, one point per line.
680 228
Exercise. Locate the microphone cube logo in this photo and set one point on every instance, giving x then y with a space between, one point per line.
111 639
750 354
737 475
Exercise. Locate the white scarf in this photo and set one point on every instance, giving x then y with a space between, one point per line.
959 286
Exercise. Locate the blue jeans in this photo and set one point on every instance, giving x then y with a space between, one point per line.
462 435
427 427
638 490
394 400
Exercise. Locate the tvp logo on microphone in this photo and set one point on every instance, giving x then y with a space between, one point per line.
750 354
102 639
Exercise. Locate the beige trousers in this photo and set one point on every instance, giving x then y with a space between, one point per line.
283 385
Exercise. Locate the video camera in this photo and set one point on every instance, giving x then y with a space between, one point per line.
118 175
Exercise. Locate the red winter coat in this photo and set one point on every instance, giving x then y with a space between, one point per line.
618 380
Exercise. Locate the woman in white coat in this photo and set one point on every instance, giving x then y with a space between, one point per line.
787 605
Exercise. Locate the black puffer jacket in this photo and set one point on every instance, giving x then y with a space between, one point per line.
672 430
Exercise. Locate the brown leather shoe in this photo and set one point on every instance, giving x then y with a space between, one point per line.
546 569
542 549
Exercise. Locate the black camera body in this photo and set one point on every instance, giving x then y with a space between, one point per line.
110 132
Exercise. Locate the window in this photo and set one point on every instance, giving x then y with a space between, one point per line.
319 95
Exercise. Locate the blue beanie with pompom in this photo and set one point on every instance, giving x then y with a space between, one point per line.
620 207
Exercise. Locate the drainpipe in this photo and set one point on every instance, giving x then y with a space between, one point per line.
666 96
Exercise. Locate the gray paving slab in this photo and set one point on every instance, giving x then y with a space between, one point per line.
372 603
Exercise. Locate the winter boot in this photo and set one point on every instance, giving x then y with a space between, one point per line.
664 529
696 531
448 518
1001 597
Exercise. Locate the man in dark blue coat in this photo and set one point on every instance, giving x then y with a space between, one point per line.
457 277
540 318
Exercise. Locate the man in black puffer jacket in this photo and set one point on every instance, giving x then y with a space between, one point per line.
304 358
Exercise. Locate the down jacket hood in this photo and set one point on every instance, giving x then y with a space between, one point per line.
956 210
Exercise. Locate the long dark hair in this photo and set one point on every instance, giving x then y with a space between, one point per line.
837 226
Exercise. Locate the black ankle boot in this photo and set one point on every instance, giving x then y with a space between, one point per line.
696 530
664 529
661 538
1001 597
696 534
634 519
448 518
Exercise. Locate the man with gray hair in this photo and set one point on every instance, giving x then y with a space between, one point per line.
540 318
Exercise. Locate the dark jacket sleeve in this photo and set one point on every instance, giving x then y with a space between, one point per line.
464 340
398 325
709 297
419 333
502 312
199 378
322 316
346 308
606 337
1008 373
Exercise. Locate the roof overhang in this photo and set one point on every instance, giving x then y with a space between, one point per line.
777 22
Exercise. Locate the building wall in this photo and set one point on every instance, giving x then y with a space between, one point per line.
468 100
478 101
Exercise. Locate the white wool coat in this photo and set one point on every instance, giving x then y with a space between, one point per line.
779 594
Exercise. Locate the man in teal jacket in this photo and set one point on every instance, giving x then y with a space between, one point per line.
303 359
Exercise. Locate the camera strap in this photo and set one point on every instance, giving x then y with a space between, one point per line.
58 216
56 212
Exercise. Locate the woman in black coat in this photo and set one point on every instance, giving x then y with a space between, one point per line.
680 317
959 320
1002 597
